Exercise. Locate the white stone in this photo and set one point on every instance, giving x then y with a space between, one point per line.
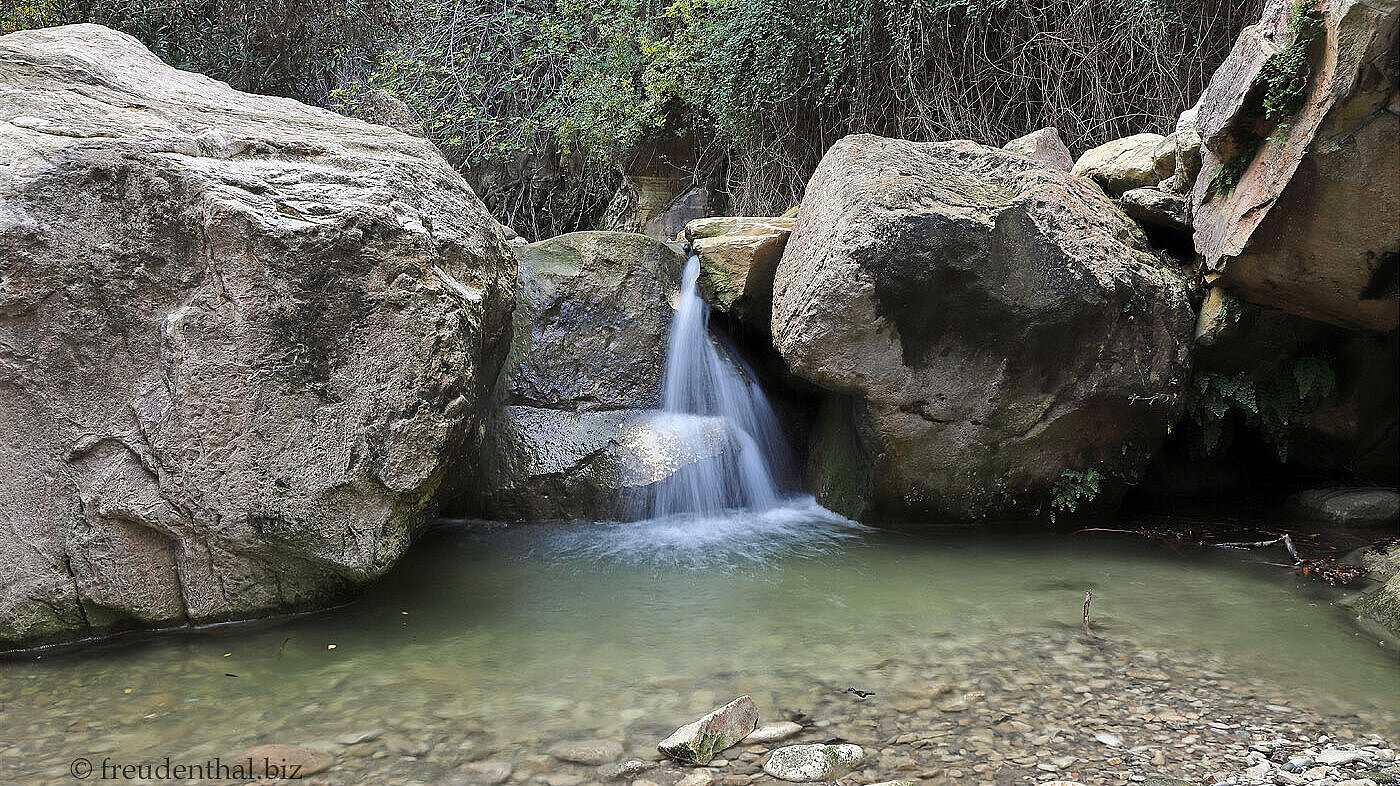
1336 756
774 732
802 763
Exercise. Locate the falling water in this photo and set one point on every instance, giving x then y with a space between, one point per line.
705 379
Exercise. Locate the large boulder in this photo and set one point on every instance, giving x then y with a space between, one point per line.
1298 201
1381 603
1135 161
241 341
573 432
738 259
993 330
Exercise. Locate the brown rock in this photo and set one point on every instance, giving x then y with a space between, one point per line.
1312 224
738 258
1044 146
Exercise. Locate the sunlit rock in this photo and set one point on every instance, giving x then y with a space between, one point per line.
1131 162
1044 146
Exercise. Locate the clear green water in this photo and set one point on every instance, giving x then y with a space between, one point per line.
496 642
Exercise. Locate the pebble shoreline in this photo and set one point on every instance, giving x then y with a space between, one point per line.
1062 708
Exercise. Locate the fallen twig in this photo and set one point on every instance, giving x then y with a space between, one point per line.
1284 539
1088 596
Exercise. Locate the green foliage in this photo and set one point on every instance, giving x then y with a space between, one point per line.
295 48
545 102
1285 74
1269 404
1074 488
1231 307
28 14
1227 176
766 86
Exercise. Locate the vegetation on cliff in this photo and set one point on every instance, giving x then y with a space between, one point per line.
567 94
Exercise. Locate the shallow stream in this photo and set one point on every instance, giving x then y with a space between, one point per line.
494 643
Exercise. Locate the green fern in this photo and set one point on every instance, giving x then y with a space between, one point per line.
1269 405
1074 488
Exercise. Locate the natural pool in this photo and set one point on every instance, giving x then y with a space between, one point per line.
492 644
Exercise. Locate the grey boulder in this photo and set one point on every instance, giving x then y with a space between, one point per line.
984 325
243 342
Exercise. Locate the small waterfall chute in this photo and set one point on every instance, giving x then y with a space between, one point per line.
705 381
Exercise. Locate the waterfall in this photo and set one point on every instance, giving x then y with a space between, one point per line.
706 379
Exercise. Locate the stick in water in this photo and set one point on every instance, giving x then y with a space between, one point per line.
1088 596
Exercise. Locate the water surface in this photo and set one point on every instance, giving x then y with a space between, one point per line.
496 642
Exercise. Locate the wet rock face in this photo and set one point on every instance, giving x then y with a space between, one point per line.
569 436
242 339
1296 208
989 323
593 315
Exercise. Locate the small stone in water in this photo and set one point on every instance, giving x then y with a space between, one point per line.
626 769
774 732
487 772
701 741
355 738
1109 739
813 762
587 751
276 759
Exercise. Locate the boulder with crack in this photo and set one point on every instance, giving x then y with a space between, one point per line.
1297 202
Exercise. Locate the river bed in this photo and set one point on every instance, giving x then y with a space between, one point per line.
490 645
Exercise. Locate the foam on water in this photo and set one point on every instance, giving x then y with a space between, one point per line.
714 540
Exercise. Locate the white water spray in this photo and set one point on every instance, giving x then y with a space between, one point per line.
702 378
